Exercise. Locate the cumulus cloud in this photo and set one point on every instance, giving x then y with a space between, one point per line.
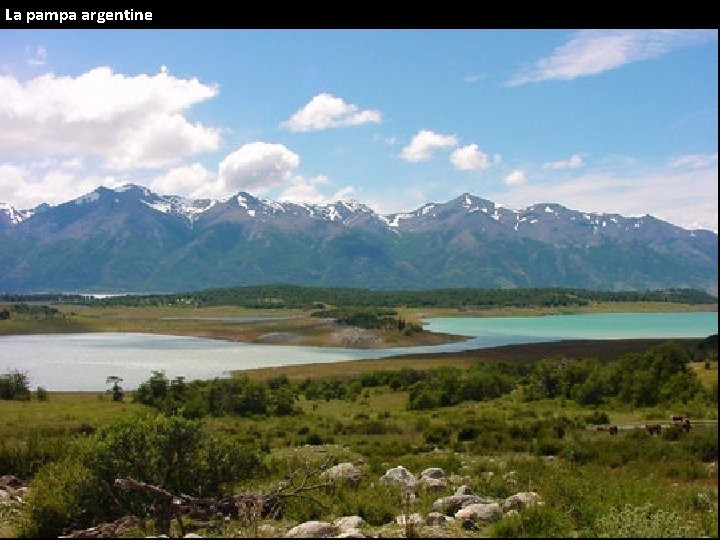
515 178
258 166
52 182
590 52
575 162
193 180
469 158
327 111
685 197
128 121
424 143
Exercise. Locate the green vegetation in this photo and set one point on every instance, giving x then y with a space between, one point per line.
500 427
293 296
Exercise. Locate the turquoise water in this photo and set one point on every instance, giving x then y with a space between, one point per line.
587 326
83 361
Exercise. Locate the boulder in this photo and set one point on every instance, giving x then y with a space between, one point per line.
436 519
433 484
464 490
451 504
480 512
432 472
313 529
400 477
343 473
521 500
349 522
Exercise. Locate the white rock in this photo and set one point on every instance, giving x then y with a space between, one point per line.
400 477
343 473
349 522
433 472
313 529
521 500
480 512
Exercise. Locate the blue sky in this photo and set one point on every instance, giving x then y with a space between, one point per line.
619 121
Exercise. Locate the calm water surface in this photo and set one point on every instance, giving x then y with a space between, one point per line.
83 361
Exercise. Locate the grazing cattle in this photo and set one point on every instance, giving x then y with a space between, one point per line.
686 425
600 429
613 430
677 418
653 429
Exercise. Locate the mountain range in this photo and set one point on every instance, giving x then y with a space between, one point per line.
132 239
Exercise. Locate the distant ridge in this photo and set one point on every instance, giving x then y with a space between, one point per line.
130 238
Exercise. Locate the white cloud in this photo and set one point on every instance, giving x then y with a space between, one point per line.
590 52
515 178
26 187
38 57
694 161
473 78
128 121
188 180
469 158
688 198
424 143
258 166
327 111
575 162
306 190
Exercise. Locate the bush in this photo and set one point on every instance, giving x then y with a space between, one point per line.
61 498
169 452
532 522
644 522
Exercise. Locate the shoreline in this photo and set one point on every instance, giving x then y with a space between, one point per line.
601 349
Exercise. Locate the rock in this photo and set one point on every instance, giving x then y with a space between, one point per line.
433 484
464 490
350 533
349 522
511 513
432 472
436 519
193 535
400 477
453 503
313 529
521 500
10 481
4 495
413 519
345 473
480 512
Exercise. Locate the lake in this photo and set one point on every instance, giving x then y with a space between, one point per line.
83 361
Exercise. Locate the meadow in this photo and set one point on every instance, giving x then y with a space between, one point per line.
509 428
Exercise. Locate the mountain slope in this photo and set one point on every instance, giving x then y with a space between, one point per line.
131 239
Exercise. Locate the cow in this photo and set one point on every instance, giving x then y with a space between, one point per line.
600 429
686 425
653 429
613 430
677 418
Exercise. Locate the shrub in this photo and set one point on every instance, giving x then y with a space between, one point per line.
532 522
62 498
644 522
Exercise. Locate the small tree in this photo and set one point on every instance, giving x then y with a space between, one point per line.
116 390
15 385
41 394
